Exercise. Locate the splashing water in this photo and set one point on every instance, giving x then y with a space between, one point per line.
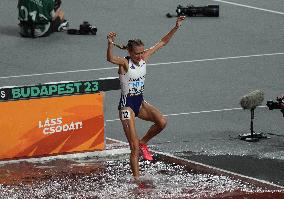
108 178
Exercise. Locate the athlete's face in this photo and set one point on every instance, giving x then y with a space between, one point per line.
137 53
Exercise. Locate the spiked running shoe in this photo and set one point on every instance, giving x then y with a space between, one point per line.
145 152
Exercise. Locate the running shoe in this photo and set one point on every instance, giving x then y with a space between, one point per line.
145 152
63 26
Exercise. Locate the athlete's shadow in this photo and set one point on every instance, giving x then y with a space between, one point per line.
10 30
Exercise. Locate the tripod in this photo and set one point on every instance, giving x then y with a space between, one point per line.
252 136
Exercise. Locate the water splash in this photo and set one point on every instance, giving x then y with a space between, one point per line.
108 178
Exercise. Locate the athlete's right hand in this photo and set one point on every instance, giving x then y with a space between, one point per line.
111 37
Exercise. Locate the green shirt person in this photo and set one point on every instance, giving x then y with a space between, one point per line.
40 17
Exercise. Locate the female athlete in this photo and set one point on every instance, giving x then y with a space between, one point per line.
132 72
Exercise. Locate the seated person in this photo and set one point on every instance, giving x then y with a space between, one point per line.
39 18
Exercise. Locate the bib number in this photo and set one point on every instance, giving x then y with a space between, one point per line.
125 115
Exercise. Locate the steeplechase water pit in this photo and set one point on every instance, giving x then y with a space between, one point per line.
107 174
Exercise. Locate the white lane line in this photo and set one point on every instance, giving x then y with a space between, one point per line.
112 120
154 64
252 7
60 72
195 112
218 58
198 112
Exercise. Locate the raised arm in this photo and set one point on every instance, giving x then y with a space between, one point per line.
110 57
165 39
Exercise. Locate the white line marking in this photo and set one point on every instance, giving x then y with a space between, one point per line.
252 7
60 72
219 58
196 112
155 64
112 120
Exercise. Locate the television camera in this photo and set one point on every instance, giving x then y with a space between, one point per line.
196 11
278 104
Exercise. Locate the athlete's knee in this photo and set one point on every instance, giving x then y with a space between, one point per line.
59 13
162 123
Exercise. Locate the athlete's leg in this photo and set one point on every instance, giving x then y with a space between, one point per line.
127 118
150 113
59 24
59 13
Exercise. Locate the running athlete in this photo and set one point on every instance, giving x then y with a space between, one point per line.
132 72
39 18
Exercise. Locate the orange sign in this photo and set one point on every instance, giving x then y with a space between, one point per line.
46 126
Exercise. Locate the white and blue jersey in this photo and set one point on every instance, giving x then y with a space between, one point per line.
132 86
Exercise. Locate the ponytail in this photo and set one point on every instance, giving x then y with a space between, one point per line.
120 46
130 44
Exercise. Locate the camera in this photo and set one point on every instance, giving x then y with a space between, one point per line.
276 105
192 11
85 29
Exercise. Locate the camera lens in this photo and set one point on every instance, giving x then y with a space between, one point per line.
93 30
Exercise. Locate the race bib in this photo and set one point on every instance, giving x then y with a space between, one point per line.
125 115
136 88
